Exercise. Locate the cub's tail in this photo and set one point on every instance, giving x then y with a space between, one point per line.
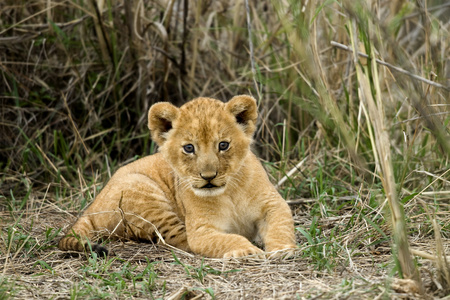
78 240
75 243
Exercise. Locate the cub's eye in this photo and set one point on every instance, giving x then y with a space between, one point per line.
223 146
189 148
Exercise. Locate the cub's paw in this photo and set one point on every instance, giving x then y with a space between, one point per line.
99 249
254 251
283 252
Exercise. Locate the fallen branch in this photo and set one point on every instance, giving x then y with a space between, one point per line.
425 255
290 173
400 70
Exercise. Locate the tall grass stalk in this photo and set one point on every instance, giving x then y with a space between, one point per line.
96 7
370 94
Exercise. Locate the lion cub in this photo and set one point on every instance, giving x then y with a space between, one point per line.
204 192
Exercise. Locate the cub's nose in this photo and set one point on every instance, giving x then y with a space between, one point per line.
208 176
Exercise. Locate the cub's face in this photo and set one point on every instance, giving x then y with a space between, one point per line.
205 140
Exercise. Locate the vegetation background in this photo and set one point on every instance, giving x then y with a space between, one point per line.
354 130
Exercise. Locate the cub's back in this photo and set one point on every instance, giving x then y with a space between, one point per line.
150 174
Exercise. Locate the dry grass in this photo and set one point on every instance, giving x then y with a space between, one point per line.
37 271
370 127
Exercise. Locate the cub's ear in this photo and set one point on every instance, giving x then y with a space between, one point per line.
160 119
244 109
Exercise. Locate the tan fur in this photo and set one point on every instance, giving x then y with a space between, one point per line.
164 191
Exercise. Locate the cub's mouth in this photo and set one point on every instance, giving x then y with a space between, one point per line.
209 190
209 185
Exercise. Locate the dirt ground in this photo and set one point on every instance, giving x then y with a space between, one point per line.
51 274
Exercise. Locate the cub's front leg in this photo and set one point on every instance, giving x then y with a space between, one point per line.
276 228
204 238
